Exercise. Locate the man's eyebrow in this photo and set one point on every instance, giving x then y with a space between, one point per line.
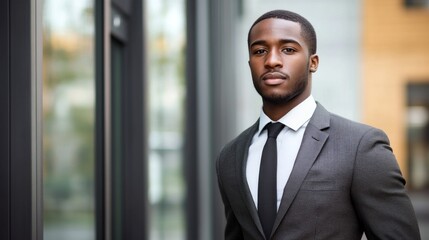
283 41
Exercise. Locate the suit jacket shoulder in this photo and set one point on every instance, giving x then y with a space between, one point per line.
367 169
323 119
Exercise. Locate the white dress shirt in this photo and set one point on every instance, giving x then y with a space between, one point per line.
288 143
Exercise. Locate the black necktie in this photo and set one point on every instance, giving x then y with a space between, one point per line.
267 186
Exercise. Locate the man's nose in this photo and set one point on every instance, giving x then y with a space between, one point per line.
273 60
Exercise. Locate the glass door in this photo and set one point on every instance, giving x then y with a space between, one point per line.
68 119
166 37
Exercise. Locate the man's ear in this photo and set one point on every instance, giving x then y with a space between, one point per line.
314 63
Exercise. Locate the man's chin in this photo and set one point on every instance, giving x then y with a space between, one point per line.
278 99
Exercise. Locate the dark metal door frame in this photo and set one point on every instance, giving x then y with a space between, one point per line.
16 119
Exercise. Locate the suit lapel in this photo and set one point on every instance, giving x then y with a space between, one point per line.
242 153
312 143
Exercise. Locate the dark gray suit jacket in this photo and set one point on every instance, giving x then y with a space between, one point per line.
345 181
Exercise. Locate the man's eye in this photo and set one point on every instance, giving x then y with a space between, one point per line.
289 50
259 51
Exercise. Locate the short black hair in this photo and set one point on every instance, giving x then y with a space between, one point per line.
307 29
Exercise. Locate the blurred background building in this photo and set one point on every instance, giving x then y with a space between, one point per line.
113 111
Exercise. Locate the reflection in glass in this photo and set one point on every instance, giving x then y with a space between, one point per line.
68 120
166 79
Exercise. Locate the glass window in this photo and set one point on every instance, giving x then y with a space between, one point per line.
68 120
418 136
417 3
166 33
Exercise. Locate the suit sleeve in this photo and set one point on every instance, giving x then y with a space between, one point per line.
378 191
232 229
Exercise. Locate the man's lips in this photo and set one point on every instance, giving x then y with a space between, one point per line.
274 78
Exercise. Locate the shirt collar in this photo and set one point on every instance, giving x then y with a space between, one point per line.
295 118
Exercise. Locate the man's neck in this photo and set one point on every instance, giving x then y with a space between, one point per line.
277 111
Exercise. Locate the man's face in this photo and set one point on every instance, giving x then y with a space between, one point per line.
279 60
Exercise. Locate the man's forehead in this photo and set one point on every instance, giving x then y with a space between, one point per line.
276 23
276 26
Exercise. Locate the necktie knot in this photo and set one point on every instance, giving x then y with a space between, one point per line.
274 129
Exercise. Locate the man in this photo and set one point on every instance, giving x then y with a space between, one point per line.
333 178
